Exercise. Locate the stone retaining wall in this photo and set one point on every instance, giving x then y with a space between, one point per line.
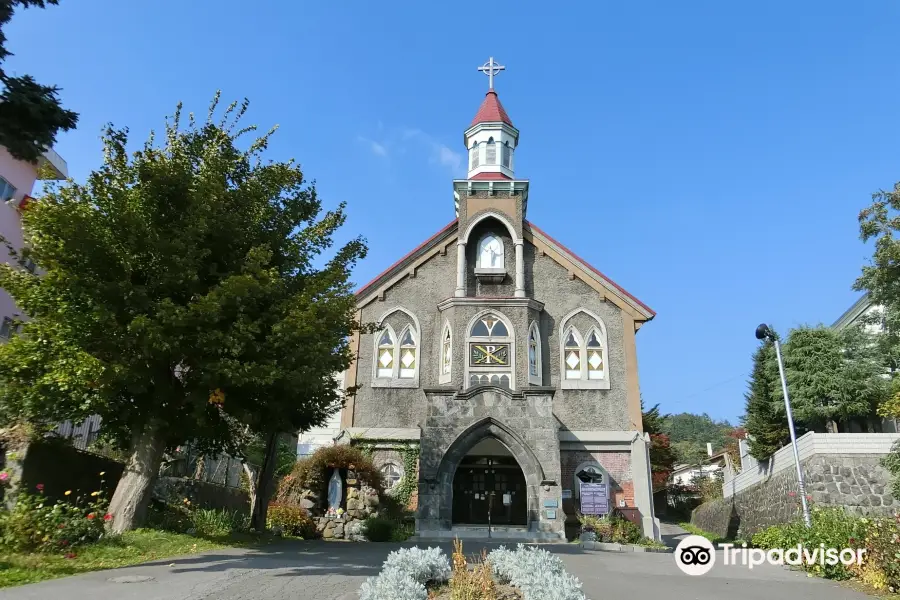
856 482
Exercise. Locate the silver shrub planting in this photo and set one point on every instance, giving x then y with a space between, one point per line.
392 585
422 565
536 572
405 573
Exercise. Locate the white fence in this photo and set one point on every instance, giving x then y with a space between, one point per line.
754 471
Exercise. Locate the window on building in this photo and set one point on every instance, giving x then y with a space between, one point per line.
446 350
6 329
391 475
584 358
505 154
491 154
490 352
474 159
386 354
490 253
595 365
7 190
534 354
407 354
572 354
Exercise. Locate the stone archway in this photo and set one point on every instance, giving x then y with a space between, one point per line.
489 427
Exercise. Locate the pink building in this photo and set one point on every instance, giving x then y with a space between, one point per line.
17 179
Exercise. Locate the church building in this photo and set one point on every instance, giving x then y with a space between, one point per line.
507 360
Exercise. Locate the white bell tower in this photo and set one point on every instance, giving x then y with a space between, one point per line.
491 139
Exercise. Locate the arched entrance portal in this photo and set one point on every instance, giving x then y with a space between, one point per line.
489 487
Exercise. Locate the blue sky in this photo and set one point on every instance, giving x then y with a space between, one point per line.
711 157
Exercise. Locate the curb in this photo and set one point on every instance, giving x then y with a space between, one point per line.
613 547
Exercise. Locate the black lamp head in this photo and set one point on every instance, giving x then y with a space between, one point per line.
763 332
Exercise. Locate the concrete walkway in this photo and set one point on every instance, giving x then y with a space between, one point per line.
335 570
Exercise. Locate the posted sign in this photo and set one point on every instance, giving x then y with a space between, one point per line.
594 498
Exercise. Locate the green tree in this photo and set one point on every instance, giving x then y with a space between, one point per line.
689 434
30 113
833 377
662 456
764 418
185 298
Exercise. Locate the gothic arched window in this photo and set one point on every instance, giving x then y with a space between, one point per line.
473 157
572 354
505 154
490 253
407 354
446 354
534 354
385 353
490 352
396 357
585 362
491 154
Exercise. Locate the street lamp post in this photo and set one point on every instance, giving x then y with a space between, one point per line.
764 332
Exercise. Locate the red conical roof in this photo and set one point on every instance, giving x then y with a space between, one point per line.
491 111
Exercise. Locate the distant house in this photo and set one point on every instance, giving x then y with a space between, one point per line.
687 474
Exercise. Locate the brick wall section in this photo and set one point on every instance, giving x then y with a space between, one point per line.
617 464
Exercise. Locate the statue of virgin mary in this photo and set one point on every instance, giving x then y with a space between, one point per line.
335 490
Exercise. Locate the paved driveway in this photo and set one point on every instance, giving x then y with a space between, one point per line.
335 570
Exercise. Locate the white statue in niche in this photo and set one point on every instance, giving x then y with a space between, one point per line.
490 252
335 491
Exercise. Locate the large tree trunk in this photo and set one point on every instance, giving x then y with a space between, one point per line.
128 506
263 485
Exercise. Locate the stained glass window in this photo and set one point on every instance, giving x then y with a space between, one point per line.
489 326
407 355
595 356
446 351
385 355
572 353
533 353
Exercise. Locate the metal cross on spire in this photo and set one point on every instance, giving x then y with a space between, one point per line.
491 68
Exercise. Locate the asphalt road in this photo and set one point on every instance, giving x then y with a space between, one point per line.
335 570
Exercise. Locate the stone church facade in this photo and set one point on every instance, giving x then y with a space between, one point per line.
507 359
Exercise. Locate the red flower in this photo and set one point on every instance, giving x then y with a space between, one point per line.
40 487
62 526
65 542
90 517
70 555
107 517
792 494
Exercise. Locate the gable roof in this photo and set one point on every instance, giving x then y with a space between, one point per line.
383 279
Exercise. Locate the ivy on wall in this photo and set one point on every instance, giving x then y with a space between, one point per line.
409 483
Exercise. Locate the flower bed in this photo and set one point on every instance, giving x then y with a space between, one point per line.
504 574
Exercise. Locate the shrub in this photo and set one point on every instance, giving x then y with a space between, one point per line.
611 528
405 573
881 567
36 525
424 566
293 520
378 529
218 522
538 574
312 473
830 526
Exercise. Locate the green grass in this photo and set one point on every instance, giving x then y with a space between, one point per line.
697 531
130 548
